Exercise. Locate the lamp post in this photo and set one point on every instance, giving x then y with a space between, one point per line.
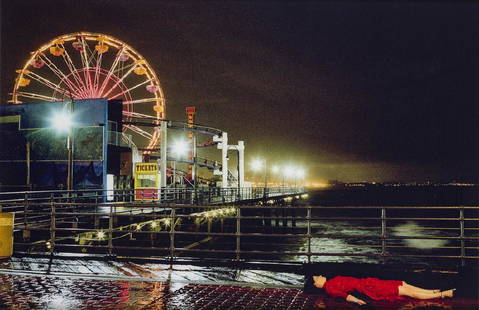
62 121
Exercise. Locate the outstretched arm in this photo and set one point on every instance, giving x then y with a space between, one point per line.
358 301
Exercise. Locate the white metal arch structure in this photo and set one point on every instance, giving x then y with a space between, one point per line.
86 65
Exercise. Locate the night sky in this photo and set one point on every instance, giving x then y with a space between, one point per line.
353 91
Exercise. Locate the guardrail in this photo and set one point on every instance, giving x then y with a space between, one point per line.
265 232
183 195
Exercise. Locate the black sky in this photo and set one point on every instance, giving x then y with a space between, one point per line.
370 90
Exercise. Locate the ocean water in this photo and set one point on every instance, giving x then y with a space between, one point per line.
337 240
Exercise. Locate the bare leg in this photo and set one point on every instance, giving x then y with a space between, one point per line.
406 290
420 290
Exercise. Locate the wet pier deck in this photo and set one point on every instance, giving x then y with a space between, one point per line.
40 283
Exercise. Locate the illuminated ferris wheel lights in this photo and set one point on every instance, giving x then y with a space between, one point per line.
56 51
101 48
140 70
22 82
86 65
77 45
37 63
152 88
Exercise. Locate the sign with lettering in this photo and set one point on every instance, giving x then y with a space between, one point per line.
147 168
146 181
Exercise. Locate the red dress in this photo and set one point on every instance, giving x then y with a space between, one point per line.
372 287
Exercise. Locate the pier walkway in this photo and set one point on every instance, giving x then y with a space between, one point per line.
41 283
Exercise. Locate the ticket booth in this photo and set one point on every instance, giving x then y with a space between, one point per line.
147 181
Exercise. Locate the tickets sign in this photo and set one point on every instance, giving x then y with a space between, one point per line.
147 168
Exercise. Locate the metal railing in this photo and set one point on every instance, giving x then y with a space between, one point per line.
183 195
249 232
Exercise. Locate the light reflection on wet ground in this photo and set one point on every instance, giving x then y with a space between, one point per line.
114 270
44 292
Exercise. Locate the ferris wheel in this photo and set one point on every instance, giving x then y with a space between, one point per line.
88 65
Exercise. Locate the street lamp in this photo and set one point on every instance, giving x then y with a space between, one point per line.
179 150
63 121
298 175
257 164
288 171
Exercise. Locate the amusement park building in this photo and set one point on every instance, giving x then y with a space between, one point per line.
34 154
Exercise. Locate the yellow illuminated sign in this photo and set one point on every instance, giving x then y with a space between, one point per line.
146 168
146 181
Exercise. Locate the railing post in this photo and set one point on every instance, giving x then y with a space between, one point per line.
383 232
25 211
308 218
52 226
238 232
110 232
172 233
463 242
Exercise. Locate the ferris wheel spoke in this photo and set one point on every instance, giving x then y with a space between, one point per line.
92 55
140 100
154 140
60 74
115 63
83 56
86 64
121 69
129 89
96 79
36 96
118 82
137 115
139 131
50 84
73 70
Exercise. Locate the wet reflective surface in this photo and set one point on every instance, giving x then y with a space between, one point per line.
47 292
180 273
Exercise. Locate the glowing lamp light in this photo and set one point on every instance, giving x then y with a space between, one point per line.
275 169
288 171
62 121
100 235
180 148
299 173
257 164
